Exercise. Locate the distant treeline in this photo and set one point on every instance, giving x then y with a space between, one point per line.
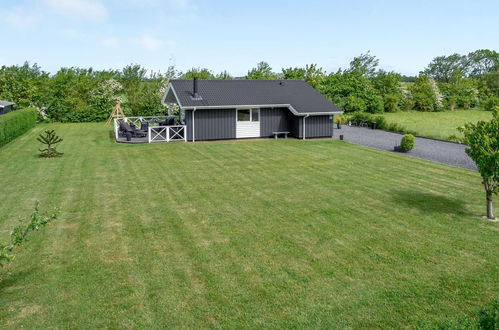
80 95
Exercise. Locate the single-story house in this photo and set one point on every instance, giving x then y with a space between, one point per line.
233 109
6 106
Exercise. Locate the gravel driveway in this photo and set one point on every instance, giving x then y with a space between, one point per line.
438 151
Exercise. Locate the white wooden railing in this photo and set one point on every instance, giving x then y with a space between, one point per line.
167 133
155 133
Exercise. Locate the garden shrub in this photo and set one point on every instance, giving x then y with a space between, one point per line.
381 122
426 94
15 123
353 104
391 102
491 103
407 142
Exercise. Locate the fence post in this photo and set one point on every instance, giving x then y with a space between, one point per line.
149 134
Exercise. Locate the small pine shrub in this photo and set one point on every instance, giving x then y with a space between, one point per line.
50 139
407 142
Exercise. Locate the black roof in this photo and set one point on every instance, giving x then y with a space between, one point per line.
302 98
4 104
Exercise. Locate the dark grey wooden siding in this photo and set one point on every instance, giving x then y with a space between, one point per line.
5 109
274 120
296 126
318 126
212 124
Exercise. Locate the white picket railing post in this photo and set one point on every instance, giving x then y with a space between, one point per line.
154 133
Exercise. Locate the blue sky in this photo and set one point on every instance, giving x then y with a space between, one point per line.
235 35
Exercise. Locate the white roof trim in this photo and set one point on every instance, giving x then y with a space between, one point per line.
240 106
170 86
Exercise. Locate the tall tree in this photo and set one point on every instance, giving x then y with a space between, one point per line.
441 68
364 64
200 73
262 71
482 139
482 61
224 75
352 92
311 74
388 86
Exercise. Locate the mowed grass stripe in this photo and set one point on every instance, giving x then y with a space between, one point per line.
256 233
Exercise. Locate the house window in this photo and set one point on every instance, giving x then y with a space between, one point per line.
251 115
255 114
243 115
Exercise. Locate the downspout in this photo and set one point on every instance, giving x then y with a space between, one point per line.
304 126
193 125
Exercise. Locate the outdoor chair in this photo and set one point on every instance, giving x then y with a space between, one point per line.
169 121
128 130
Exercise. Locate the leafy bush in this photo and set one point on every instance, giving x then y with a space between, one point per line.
391 102
84 95
352 92
407 142
340 119
353 104
15 123
491 103
407 102
426 95
381 122
18 235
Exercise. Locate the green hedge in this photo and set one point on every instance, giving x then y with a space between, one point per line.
381 122
15 123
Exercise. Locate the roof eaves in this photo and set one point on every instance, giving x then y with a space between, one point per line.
239 106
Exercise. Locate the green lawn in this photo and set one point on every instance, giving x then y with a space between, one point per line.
241 234
438 125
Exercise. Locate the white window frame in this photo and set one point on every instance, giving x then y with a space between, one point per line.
250 115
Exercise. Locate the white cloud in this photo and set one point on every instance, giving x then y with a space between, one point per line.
109 42
87 9
148 42
22 19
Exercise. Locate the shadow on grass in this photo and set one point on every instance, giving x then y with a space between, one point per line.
430 203
11 279
112 138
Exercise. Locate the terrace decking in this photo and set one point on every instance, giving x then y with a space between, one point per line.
156 130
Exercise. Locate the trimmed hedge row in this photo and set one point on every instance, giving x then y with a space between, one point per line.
15 123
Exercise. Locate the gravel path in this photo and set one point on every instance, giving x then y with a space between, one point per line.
438 151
